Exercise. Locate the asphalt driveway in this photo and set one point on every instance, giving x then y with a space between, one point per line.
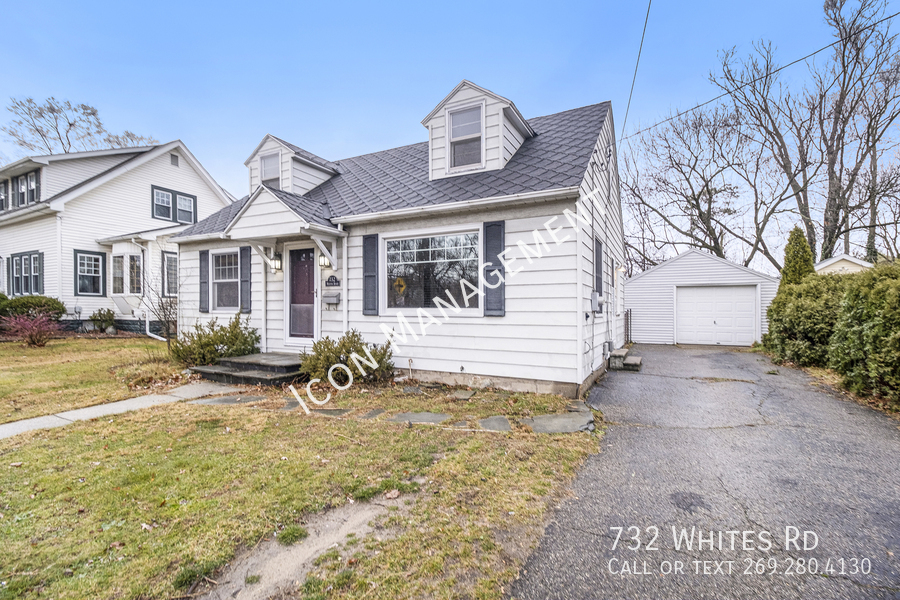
715 440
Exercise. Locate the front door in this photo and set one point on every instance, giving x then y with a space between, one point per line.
302 293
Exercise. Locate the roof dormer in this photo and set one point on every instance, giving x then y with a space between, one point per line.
473 130
284 166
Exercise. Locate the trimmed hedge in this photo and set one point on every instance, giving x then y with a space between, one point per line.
865 347
32 306
802 319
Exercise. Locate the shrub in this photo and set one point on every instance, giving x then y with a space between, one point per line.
209 342
3 300
328 352
34 305
802 318
103 319
865 347
798 259
34 330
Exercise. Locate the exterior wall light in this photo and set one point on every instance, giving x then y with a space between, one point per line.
276 261
323 261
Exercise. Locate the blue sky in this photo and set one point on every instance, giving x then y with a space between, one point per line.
342 79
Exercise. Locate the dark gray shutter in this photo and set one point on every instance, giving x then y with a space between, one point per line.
102 274
598 266
9 276
40 285
245 279
204 281
494 245
370 274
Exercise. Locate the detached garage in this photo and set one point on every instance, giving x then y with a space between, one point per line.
697 298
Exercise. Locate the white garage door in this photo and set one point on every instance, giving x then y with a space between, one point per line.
716 315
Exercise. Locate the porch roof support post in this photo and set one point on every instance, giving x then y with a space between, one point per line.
344 284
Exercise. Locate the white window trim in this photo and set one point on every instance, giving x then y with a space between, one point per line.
166 255
126 274
277 156
212 281
155 204
383 309
298 342
448 142
102 275
176 208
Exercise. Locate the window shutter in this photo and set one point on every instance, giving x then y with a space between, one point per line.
40 285
494 245
37 196
245 279
204 281
102 274
9 276
598 266
370 274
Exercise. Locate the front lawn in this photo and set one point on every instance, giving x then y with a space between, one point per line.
145 504
73 373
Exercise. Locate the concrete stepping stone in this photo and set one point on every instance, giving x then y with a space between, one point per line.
499 423
229 400
561 423
428 418
578 407
290 404
373 413
200 389
332 412
460 424
462 394
413 389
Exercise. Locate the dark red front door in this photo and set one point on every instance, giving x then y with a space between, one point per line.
302 293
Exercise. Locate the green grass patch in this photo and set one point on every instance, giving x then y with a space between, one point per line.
292 534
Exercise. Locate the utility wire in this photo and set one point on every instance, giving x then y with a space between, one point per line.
743 85
636 64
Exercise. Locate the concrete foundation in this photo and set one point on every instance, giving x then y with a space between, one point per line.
512 384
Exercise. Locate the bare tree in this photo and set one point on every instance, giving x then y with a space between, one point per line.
700 181
56 127
822 137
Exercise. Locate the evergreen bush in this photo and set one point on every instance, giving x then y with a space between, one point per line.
209 342
798 259
328 352
865 347
33 306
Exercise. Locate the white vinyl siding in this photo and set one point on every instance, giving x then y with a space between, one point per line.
512 137
37 234
60 175
651 296
304 177
601 180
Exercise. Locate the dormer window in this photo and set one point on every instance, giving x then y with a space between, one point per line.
269 171
465 137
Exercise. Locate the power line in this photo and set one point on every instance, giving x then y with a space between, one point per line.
636 64
743 85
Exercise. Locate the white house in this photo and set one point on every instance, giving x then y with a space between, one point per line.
698 298
92 228
842 263
524 212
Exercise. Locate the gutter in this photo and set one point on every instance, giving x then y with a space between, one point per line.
543 195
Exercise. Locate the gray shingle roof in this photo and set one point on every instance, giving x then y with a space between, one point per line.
556 157
318 160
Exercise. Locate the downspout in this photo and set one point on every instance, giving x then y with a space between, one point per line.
344 283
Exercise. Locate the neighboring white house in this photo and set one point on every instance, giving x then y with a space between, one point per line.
698 298
321 247
92 228
842 263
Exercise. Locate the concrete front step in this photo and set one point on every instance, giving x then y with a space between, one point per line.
274 362
225 374
632 363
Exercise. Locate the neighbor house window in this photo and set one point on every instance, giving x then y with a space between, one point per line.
465 137
170 205
89 273
127 274
185 209
135 275
226 281
269 171
32 188
4 195
162 204
170 274
22 188
421 269
27 274
118 274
